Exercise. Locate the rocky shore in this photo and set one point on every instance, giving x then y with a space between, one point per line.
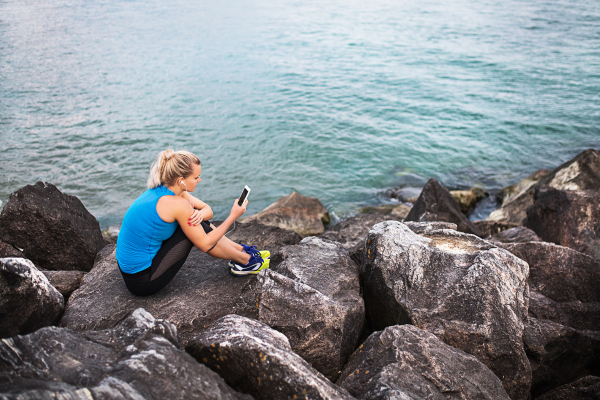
411 301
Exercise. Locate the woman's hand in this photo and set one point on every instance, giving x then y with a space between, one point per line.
195 218
237 211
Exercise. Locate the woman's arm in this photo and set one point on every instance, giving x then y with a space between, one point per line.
204 208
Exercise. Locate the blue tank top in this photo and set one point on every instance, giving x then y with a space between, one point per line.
143 231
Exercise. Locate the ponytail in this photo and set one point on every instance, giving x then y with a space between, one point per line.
170 165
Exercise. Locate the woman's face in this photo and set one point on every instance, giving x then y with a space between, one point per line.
192 180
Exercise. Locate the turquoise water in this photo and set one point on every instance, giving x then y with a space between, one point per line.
338 100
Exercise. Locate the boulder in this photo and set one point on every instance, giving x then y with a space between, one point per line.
587 388
136 360
66 282
255 359
579 173
565 277
469 293
559 354
518 234
312 296
201 292
568 218
437 204
468 198
424 228
489 228
405 362
110 234
8 250
295 212
54 230
265 237
396 211
27 300
407 194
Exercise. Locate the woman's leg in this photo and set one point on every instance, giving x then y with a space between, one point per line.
228 250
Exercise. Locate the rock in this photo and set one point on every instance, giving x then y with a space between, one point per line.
407 194
398 212
66 282
54 230
258 360
559 354
201 292
587 388
312 296
110 234
518 234
568 218
136 360
424 228
405 362
580 173
295 212
468 198
8 250
469 293
489 228
437 204
27 300
563 276
265 237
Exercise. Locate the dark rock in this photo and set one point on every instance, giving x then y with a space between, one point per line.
489 228
470 294
137 360
110 234
312 296
265 237
559 354
8 250
407 194
587 388
66 282
201 292
27 300
295 212
518 234
568 218
405 362
54 230
437 204
258 360
564 276
468 198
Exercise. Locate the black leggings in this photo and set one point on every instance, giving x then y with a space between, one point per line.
165 265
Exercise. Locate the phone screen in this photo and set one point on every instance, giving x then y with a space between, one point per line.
243 197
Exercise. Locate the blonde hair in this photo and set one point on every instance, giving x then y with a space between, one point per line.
170 165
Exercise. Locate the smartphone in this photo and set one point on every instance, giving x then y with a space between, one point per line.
243 195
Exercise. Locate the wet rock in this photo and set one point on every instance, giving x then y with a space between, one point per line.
489 228
66 282
295 212
8 250
587 388
54 230
518 234
255 359
469 293
110 234
27 300
437 204
405 362
568 282
136 360
568 218
201 292
265 237
468 198
407 194
312 296
559 354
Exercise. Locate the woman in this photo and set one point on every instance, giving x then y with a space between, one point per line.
165 222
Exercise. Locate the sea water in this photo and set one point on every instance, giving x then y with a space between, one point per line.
342 100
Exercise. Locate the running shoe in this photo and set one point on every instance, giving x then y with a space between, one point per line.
253 250
255 265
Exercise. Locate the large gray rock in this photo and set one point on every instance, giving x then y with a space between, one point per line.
136 360
469 293
559 354
405 362
54 230
265 237
564 284
255 359
587 388
295 212
66 282
312 296
437 204
27 300
201 292
568 218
